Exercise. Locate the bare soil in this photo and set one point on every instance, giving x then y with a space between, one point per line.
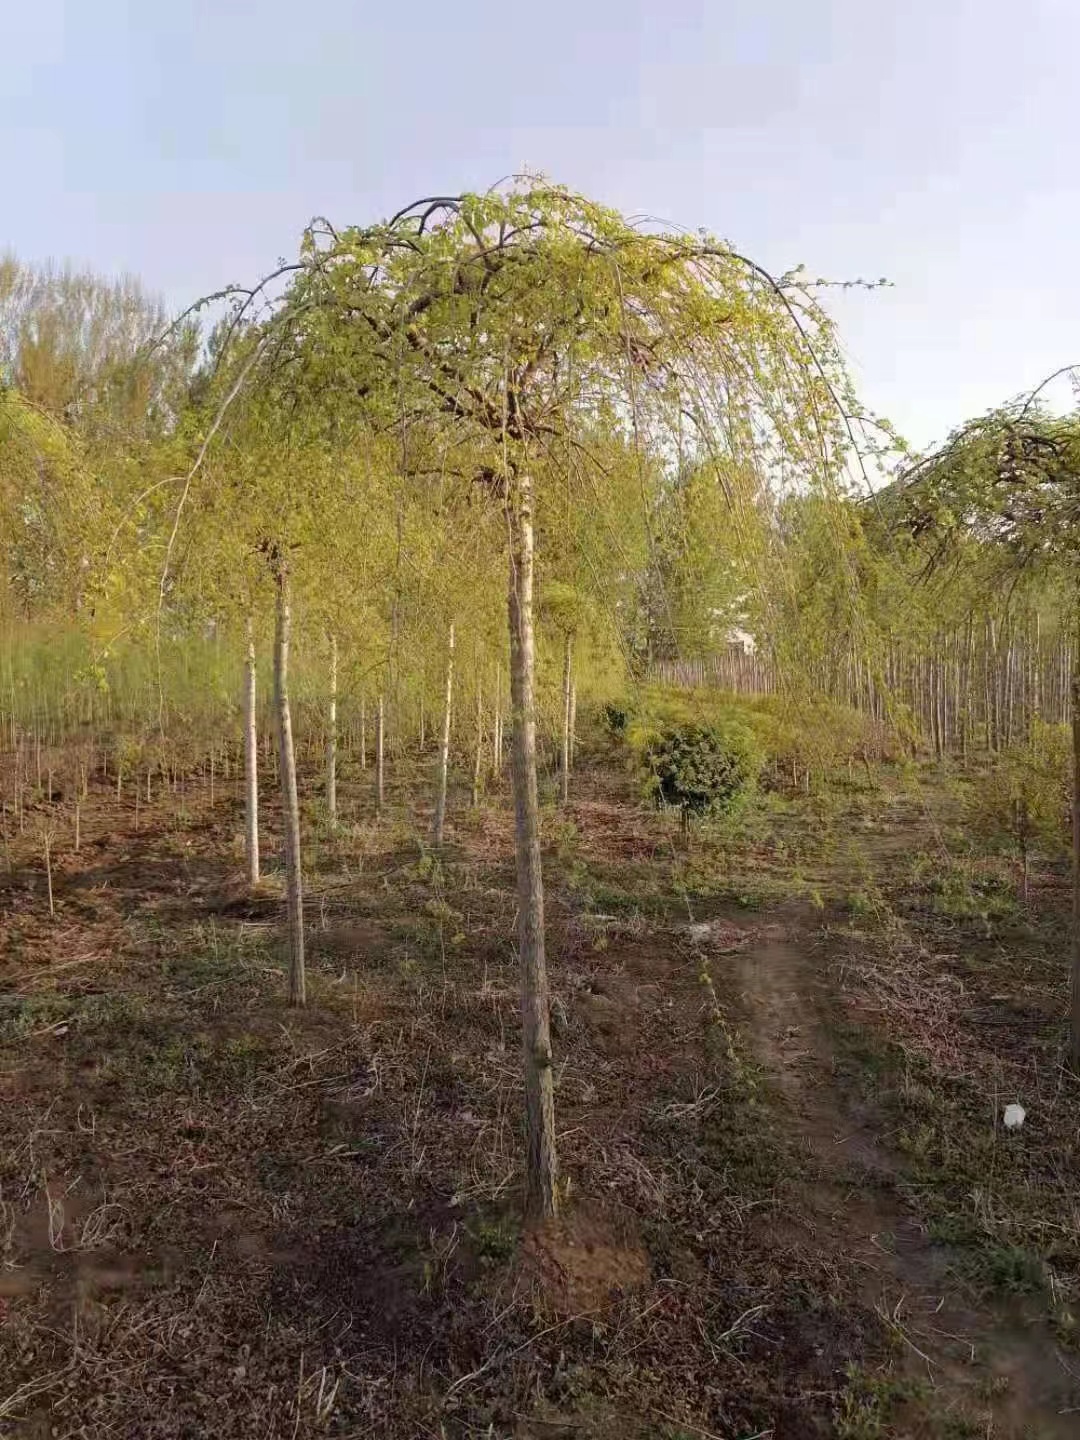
996 1355
786 1191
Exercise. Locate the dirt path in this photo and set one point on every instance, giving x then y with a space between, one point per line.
978 1361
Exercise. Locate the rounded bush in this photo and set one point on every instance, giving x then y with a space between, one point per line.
702 769
615 718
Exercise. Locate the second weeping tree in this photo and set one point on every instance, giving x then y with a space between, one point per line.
999 504
512 343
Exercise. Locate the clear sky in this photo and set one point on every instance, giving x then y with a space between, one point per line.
931 141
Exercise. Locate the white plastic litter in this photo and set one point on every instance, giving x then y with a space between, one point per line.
1014 1116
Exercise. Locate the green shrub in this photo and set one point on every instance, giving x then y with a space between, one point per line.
615 718
793 735
702 769
1025 797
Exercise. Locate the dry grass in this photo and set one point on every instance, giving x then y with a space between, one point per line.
221 1217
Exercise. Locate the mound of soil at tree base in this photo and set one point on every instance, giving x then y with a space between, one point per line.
583 1259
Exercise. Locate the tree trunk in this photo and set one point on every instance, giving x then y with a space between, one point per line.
294 894
444 746
497 728
251 764
540 1158
573 721
331 737
564 766
379 758
363 733
47 843
478 761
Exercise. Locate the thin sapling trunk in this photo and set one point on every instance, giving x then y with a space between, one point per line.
564 766
46 841
444 745
497 728
363 733
573 721
294 895
379 768
251 764
331 737
478 761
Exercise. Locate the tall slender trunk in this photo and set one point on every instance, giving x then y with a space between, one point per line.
573 721
251 764
564 766
363 733
967 690
479 755
497 727
47 844
444 745
331 737
294 893
540 1159
379 715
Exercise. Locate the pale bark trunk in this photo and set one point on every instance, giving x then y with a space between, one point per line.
379 758
564 767
331 737
251 764
540 1158
294 894
479 743
497 726
573 721
444 746
47 844
363 733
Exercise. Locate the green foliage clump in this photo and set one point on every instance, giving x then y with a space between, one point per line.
813 734
702 769
615 717
788 737
1025 796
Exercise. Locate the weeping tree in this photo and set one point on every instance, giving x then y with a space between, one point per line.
1003 495
494 337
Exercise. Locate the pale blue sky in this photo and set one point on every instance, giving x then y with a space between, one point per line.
933 141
